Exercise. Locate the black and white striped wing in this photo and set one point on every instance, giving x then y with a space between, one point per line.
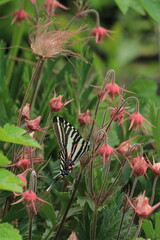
72 144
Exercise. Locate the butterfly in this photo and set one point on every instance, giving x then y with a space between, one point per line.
72 144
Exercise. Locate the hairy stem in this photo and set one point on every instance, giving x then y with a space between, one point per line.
94 225
69 204
139 228
30 228
153 189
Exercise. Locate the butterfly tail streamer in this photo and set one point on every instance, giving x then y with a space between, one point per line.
54 181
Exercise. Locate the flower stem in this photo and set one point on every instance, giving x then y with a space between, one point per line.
30 228
69 204
94 226
46 127
153 189
139 228
34 76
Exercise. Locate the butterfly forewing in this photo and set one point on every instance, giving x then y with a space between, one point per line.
72 144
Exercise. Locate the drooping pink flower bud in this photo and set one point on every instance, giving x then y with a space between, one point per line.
19 16
141 206
100 33
51 6
85 118
34 124
105 151
22 176
139 165
33 2
124 147
30 198
25 112
56 103
137 121
155 167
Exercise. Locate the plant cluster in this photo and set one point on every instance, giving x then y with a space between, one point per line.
106 194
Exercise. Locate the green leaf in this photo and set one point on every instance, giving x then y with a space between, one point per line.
9 181
4 1
153 8
123 5
148 229
14 134
3 160
7 231
157 225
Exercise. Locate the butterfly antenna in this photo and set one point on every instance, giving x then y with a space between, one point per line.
53 182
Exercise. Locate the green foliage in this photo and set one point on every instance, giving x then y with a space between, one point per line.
14 134
10 182
7 231
150 231
4 160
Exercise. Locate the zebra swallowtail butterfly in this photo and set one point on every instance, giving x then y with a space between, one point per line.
72 144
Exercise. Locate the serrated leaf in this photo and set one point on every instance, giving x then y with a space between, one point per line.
4 160
148 229
9 181
7 231
123 5
153 8
157 225
14 134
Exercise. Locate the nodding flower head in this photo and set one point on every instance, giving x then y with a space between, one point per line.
100 33
34 124
51 6
155 167
139 165
56 103
137 121
124 147
85 118
25 111
22 176
72 236
141 206
50 44
19 16
105 151
30 198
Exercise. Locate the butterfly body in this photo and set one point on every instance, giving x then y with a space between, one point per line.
72 144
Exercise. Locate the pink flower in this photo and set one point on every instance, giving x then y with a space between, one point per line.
34 124
30 198
33 2
25 112
105 151
155 167
85 118
19 16
56 103
137 121
100 33
51 6
124 147
110 89
142 207
139 165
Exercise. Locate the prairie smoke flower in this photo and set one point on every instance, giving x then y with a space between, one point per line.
25 111
85 118
155 167
56 103
33 1
51 6
30 198
100 33
141 206
19 16
110 89
137 121
34 124
139 165
50 44
105 151
125 146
